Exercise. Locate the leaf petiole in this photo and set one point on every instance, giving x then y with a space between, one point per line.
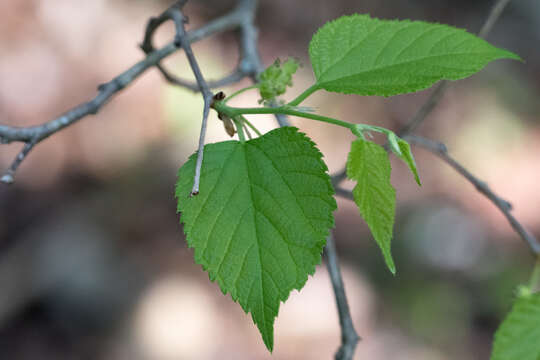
251 126
239 128
303 96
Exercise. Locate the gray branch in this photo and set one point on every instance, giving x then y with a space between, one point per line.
175 14
32 135
504 206
349 337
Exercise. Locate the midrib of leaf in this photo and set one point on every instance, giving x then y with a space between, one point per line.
252 184
386 67
260 277
372 188
444 37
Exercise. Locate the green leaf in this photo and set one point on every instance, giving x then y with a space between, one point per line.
518 338
361 55
374 195
274 80
260 221
402 149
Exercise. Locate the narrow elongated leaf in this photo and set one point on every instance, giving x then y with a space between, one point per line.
374 195
406 155
261 219
518 338
366 56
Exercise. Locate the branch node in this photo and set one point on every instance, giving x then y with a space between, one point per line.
178 41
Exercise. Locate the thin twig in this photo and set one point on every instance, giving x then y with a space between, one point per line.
504 206
148 47
175 14
426 109
251 60
38 133
8 176
349 337
232 78
344 193
494 15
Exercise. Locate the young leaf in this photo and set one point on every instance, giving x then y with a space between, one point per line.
402 149
361 55
274 80
261 219
518 338
375 197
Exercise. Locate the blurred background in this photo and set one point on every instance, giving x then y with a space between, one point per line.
93 262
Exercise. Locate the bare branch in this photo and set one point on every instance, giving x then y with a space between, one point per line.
174 13
493 16
232 78
344 193
504 206
147 46
349 337
251 61
426 109
8 177
36 134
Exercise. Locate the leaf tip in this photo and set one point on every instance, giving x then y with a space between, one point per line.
390 264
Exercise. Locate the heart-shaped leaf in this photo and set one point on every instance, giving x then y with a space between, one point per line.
260 221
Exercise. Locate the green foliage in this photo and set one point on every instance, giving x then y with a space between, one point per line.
374 195
261 219
361 55
518 338
274 80
402 149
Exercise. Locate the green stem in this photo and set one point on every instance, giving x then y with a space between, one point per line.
534 283
232 112
251 126
239 92
239 129
304 95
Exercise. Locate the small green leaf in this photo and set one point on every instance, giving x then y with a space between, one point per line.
393 141
260 221
374 195
361 55
274 80
405 154
518 338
